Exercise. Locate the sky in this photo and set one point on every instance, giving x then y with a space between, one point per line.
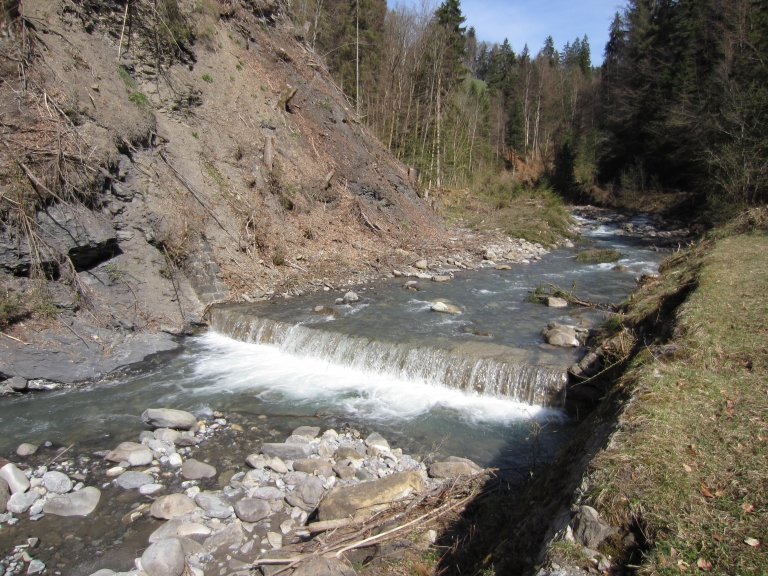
531 21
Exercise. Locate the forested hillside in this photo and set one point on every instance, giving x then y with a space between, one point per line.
679 103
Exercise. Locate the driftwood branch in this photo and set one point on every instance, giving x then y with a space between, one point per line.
544 291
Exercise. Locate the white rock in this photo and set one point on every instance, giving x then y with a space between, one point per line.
57 482
16 479
26 450
175 460
114 472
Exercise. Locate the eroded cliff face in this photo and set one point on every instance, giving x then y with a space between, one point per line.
160 156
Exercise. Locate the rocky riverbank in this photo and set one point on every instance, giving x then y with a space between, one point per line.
169 497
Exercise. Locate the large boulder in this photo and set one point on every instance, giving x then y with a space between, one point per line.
169 418
362 499
16 479
164 558
172 505
589 529
287 451
80 503
560 335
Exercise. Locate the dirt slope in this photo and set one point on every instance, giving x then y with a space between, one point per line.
140 187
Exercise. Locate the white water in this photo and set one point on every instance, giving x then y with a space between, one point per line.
270 373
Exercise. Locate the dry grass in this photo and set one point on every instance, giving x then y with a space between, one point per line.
496 201
689 465
597 255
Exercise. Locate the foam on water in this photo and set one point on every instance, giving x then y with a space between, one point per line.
271 373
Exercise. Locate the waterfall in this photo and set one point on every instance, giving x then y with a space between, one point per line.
497 376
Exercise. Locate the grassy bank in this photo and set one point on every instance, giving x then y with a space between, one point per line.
675 454
496 201
689 465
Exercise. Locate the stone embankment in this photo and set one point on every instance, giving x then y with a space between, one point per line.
284 493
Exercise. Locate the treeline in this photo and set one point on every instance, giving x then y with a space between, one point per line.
680 102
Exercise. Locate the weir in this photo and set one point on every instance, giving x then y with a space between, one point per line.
482 368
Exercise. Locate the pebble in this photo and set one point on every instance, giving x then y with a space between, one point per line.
149 489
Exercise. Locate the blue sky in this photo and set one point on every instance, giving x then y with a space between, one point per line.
532 21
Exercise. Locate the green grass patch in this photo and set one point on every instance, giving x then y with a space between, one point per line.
126 77
691 462
141 100
208 78
598 255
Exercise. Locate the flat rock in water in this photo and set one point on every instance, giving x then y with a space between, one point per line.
555 302
361 499
149 489
252 509
195 470
130 452
309 432
132 480
169 418
230 536
444 308
16 479
440 278
172 505
22 501
164 558
287 451
503 267
57 482
213 505
80 503
26 450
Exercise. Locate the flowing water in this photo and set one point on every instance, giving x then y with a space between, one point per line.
478 384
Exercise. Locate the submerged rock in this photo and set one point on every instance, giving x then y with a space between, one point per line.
132 480
171 506
195 470
22 501
169 418
5 493
80 503
26 450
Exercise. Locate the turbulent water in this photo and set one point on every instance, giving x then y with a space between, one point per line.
472 383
